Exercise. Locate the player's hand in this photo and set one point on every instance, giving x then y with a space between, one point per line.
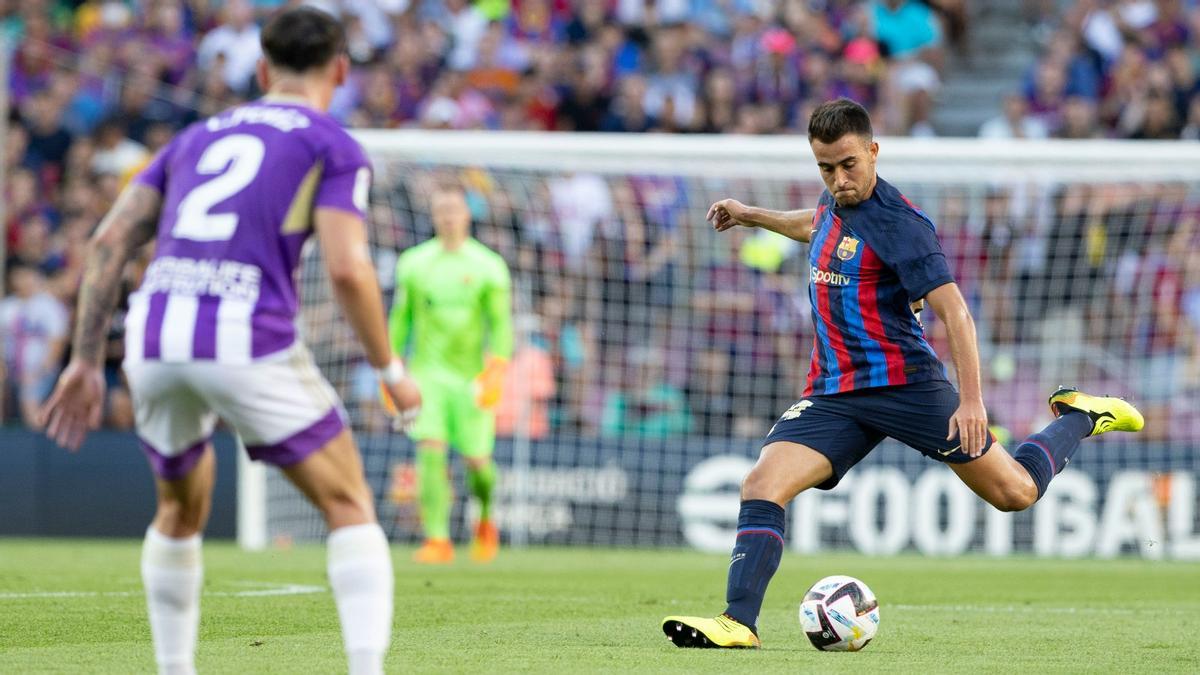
969 423
490 383
75 406
401 400
727 213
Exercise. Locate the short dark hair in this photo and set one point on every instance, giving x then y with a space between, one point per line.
302 38
834 119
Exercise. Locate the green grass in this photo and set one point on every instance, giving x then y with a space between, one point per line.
586 610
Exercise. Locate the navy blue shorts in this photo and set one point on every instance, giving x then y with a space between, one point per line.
845 427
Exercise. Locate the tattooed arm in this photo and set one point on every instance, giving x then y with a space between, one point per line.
131 223
78 398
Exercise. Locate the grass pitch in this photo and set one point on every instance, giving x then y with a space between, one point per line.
76 607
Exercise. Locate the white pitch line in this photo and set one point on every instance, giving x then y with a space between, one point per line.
265 589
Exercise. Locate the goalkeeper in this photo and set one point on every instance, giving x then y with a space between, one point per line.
453 308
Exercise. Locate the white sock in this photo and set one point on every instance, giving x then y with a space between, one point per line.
360 571
172 572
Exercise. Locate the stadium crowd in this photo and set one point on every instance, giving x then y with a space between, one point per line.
1109 69
95 87
613 270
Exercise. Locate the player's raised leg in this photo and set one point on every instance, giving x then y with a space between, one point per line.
172 569
784 469
1014 483
359 560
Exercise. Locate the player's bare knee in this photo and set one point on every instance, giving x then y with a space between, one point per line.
347 506
1016 496
762 483
177 519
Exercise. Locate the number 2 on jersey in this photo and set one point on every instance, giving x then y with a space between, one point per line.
234 161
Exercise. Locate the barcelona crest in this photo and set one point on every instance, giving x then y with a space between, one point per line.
847 249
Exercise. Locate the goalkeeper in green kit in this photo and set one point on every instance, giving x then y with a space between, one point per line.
453 309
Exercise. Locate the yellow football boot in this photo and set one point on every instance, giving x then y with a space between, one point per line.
435 552
1108 413
723 631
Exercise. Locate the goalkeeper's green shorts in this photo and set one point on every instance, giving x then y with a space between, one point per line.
449 415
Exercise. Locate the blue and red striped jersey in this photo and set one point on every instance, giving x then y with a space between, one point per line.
866 264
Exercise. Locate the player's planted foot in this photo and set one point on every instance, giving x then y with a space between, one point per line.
1108 413
435 552
722 631
486 544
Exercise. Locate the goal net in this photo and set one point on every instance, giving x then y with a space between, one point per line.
653 353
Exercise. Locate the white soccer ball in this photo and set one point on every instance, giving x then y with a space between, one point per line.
839 614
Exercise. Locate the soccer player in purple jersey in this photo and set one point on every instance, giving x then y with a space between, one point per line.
211 331
873 258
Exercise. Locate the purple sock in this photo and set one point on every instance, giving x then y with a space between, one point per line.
755 558
1046 453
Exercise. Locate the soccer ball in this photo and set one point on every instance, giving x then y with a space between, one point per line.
839 614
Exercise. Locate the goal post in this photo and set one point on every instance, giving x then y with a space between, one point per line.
653 353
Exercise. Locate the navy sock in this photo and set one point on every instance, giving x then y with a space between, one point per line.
1046 453
756 556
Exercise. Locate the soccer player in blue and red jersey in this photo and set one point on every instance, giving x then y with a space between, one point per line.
874 258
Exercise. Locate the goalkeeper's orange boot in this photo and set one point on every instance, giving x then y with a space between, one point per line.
486 544
723 631
1108 413
435 552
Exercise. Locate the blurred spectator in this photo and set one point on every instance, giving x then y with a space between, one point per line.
1014 123
1078 119
233 45
529 386
466 25
910 33
115 153
647 406
34 328
1191 128
141 106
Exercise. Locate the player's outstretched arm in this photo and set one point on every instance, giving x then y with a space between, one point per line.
78 398
343 239
970 420
796 225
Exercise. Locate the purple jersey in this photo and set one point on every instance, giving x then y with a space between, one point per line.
239 190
